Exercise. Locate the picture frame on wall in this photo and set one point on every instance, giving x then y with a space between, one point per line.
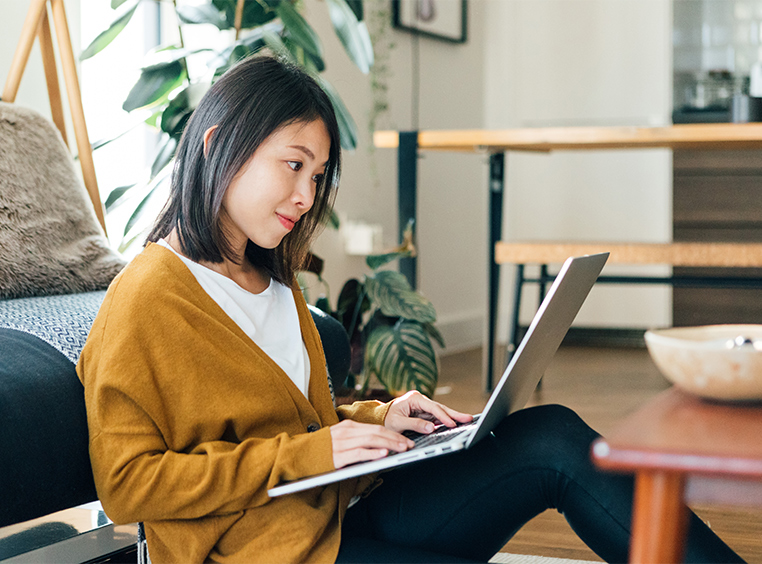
439 19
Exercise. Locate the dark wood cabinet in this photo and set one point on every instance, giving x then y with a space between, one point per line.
717 196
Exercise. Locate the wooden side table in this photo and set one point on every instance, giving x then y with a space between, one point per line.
683 449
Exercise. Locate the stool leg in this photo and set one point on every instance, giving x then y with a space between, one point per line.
542 288
513 330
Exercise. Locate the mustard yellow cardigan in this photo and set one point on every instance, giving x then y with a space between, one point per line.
190 423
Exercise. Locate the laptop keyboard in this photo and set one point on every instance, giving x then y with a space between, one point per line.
439 435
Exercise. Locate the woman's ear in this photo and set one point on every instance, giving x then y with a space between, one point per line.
207 137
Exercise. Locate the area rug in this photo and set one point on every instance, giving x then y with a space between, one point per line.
507 558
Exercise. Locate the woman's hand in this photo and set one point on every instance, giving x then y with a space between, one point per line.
416 412
358 442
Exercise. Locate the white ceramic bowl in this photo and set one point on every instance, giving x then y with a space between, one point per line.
708 361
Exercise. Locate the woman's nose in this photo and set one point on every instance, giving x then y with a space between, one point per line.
304 195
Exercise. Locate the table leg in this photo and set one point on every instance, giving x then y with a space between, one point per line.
659 518
496 183
407 195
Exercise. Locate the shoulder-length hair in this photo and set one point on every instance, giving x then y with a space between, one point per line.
248 103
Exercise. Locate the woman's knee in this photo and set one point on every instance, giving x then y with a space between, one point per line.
547 431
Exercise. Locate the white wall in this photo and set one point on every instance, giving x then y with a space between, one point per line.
588 63
33 91
452 212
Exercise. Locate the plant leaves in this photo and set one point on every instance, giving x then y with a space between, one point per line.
435 334
391 293
357 8
106 37
349 309
402 358
275 43
176 114
377 261
202 14
299 30
352 34
154 83
116 3
323 305
137 213
347 126
115 195
333 220
164 156
168 54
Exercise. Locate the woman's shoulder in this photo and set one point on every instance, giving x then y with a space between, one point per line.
149 281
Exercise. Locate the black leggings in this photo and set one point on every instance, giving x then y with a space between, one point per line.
465 506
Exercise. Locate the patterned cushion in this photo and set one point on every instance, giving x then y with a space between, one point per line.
61 321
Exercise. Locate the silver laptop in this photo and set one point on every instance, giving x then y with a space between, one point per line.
532 357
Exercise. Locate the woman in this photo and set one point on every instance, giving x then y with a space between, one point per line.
206 385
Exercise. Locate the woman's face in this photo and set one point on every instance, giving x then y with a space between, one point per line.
276 186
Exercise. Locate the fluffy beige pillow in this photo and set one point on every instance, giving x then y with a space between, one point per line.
50 239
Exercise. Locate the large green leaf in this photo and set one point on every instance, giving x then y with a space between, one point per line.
106 37
391 292
352 34
347 126
402 358
202 14
116 3
155 83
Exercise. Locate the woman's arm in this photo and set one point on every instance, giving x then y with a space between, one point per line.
139 479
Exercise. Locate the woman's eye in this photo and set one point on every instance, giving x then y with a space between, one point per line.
295 165
318 178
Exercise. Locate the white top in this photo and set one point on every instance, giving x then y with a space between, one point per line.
269 318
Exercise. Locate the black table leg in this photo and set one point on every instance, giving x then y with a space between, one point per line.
407 179
496 184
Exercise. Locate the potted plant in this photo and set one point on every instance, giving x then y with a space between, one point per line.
390 328
166 92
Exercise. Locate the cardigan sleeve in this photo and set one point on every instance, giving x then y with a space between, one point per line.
139 479
364 411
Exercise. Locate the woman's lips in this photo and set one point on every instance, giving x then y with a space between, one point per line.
286 222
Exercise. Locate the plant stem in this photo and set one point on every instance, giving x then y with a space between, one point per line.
179 27
182 42
238 18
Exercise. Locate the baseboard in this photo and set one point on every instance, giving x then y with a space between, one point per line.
461 332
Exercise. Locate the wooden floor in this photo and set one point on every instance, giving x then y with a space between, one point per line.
602 385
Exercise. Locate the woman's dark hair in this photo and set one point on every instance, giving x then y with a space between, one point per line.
248 103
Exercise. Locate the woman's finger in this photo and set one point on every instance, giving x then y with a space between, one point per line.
355 442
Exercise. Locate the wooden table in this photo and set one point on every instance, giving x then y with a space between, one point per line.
497 143
683 449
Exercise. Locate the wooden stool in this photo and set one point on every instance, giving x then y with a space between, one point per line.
520 253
